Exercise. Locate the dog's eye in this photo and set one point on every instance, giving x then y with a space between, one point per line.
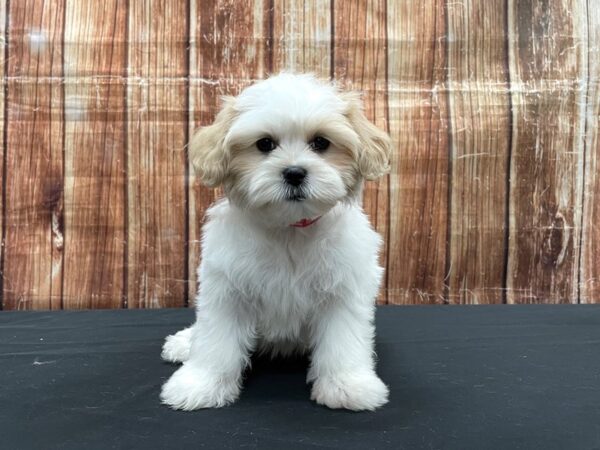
266 145
319 144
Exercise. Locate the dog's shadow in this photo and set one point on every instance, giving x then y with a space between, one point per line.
284 378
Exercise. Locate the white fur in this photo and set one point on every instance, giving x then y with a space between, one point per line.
177 346
267 286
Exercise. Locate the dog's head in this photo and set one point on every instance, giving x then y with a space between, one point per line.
290 147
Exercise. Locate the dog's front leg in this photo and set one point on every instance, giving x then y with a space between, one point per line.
342 365
221 340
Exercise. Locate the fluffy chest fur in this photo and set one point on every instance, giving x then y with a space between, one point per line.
287 275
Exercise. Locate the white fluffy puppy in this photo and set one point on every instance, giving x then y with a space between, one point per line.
289 259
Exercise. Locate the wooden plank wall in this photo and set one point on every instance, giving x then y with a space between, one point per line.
95 152
416 269
479 151
493 110
589 271
34 142
156 166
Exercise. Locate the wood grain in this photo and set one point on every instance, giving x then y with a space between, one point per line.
359 62
418 125
302 36
34 157
547 70
479 105
157 133
230 47
95 59
589 285
3 57
493 108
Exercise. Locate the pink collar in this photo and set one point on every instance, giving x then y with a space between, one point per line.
303 223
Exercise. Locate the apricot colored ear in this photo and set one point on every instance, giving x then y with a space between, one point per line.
375 145
207 151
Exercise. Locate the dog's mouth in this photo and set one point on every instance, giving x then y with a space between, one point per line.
296 198
296 195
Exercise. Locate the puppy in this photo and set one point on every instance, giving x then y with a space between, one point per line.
289 259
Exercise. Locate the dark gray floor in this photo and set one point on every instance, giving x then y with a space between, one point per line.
460 377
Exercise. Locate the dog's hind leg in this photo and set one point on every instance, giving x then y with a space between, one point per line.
176 348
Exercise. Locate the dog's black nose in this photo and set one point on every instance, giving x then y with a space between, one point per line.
294 175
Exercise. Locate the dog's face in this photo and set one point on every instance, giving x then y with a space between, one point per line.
290 148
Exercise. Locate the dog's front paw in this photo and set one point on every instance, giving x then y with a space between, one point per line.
357 391
192 388
177 346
